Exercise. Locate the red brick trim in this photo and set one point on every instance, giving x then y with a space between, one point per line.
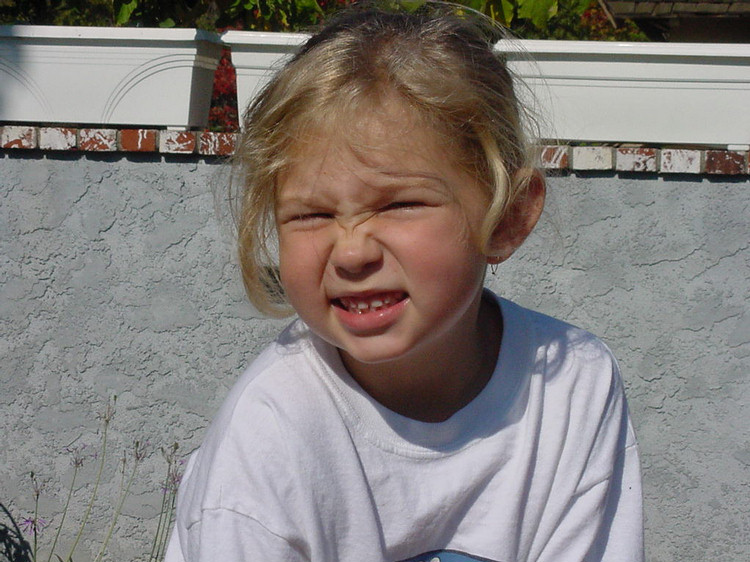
177 142
645 160
23 137
727 162
681 161
664 160
18 137
57 138
217 144
97 140
636 159
138 140
555 157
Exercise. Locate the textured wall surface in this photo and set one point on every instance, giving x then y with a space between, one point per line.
117 278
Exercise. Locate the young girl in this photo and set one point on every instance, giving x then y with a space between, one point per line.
408 414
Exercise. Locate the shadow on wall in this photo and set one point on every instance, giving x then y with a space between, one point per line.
13 547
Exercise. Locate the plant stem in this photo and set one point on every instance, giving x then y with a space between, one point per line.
64 513
36 525
168 524
22 550
124 494
93 494
164 501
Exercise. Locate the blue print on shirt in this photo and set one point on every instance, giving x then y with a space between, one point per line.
445 556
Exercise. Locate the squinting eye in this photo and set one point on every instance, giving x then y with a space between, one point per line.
309 217
397 205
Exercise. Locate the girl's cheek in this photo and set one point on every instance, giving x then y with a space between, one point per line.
299 253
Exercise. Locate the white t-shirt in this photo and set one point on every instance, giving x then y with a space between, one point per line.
302 464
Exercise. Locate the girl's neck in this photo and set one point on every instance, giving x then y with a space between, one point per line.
433 385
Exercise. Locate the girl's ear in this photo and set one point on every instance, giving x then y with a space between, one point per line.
519 220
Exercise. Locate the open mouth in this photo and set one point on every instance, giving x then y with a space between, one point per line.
369 303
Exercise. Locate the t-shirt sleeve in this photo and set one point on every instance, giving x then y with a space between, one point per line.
623 539
602 523
602 520
238 499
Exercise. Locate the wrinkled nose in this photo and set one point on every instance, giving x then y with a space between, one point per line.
355 252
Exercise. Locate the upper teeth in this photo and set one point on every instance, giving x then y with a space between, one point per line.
362 306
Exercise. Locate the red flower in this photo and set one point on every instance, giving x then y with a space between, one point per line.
223 115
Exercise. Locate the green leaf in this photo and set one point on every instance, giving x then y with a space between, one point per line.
477 5
311 5
169 22
539 12
125 11
411 5
507 9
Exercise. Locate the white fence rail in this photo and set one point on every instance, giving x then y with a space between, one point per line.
591 91
651 93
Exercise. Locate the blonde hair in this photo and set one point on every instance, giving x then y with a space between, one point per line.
437 61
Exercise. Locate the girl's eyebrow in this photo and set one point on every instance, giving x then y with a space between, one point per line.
380 191
401 180
306 198
390 183
401 174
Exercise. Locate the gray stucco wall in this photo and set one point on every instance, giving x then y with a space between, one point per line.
117 278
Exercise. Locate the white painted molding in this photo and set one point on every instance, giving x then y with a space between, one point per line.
660 93
587 91
107 76
256 55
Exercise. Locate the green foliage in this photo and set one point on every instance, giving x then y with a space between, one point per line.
556 19
125 12
579 20
57 12
271 15
266 15
532 19
168 13
538 12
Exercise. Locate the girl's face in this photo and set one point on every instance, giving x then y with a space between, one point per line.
377 240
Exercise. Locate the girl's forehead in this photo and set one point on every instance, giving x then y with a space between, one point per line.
375 141
380 136
376 157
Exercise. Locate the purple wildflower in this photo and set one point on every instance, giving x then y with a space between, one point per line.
77 455
174 477
33 526
172 483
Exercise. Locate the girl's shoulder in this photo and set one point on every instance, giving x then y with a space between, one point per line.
272 415
574 361
549 335
569 374
282 375
255 448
